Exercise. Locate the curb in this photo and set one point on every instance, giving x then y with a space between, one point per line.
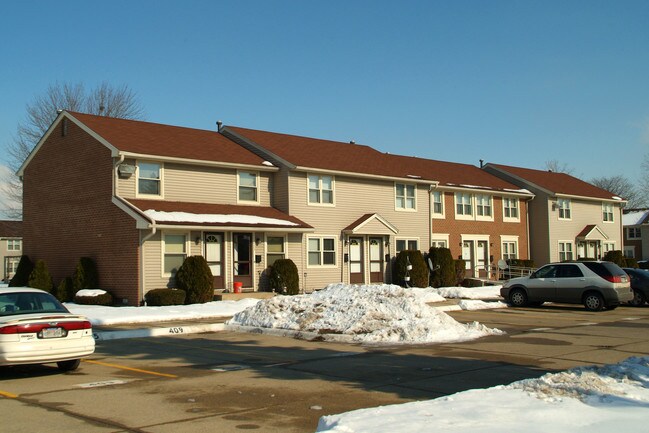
158 332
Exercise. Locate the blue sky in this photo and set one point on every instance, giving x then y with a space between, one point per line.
511 82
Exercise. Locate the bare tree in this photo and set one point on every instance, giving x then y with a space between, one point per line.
558 167
643 184
104 100
622 187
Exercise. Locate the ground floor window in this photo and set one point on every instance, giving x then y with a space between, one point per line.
509 250
322 251
439 244
407 244
609 246
175 252
274 249
11 264
565 251
629 252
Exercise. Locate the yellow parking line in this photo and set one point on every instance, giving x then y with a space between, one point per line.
8 394
123 367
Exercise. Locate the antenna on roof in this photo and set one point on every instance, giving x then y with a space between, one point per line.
219 125
481 163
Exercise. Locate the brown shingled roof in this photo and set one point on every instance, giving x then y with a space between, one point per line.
11 229
220 209
147 138
558 183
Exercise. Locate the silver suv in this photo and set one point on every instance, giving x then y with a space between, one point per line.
597 285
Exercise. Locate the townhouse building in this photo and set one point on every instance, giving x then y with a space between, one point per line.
636 233
140 197
569 218
11 240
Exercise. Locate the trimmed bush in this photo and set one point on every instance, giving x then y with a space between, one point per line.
615 256
284 277
630 262
195 278
64 292
21 277
105 299
85 275
40 277
443 269
161 297
460 271
418 273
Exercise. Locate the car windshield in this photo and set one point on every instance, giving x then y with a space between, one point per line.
29 302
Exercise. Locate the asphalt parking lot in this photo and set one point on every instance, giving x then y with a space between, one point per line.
233 382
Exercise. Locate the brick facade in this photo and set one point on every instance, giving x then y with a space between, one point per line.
68 212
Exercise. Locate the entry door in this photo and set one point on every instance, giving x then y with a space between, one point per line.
242 258
214 256
467 256
482 260
356 270
376 260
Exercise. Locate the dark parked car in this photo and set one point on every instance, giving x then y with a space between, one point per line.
639 284
597 285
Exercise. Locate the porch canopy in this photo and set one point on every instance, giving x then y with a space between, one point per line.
202 215
591 233
371 224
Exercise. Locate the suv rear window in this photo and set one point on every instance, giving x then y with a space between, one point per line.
605 269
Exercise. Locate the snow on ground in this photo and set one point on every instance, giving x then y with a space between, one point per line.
485 292
370 314
581 400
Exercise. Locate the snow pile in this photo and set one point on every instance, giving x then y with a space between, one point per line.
90 293
581 400
485 292
384 314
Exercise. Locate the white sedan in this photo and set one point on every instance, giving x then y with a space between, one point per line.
35 328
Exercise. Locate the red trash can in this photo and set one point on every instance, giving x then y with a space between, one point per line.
237 287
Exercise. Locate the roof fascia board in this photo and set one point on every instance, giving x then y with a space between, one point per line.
261 149
286 229
142 221
200 162
581 197
486 189
366 176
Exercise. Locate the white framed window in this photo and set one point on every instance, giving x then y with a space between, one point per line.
510 209
629 252
275 249
509 250
407 244
405 196
321 189
149 178
248 186
633 233
608 246
463 205
14 244
607 212
483 207
563 205
438 204
566 250
322 251
439 244
175 252
12 266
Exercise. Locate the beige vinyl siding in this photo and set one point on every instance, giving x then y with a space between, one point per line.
152 264
539 212
126 187
280 197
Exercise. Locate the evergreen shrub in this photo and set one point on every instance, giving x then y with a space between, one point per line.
162 297
284 277
85 275
443 269
21 277
615 256
105 299
195 278
418 274
460 271
64 292
40 277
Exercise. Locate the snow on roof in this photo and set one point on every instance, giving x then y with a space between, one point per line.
186 217
634 218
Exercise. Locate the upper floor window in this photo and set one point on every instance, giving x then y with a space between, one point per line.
248 186
149 178
321 189
607 212
407 244
322 251
510 208
563 204
14 244
483 205
438 203
405 196
463 204
633 233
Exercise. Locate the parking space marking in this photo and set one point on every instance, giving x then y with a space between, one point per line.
8 394
124 367
101 383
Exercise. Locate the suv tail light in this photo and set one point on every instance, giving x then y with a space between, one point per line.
615 278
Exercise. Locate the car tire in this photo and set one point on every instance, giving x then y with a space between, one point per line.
518 298
638 299
70 365
593 301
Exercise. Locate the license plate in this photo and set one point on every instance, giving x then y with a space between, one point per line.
53 333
